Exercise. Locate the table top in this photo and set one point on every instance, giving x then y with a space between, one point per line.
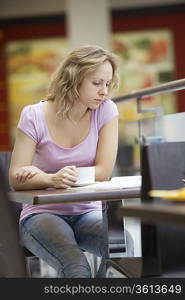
160 211
48 196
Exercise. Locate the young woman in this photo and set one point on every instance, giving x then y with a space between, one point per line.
75 125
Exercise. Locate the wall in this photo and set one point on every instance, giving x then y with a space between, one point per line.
55 25
22 8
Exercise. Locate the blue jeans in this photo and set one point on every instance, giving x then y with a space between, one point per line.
60 240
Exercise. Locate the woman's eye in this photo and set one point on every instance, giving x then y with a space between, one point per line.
96 83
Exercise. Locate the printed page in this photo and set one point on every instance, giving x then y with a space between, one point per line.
127 181
121 182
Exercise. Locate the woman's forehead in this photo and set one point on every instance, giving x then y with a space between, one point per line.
103 71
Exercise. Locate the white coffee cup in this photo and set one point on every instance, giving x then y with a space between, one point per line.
86 175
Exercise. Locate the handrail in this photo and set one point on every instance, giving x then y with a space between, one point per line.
168 87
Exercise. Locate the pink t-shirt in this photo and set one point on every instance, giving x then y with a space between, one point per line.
50 157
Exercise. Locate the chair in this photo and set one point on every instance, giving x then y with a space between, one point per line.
5 158
12 259
116 235
163 166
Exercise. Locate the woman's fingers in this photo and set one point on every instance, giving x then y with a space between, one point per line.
71 170
70 174
65 177
20 175
69 179
32 174
24 174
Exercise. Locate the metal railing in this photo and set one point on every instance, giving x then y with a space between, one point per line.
168 87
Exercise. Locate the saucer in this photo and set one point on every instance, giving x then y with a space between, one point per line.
83 183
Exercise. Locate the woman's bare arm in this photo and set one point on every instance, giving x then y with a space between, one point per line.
22 157
107 150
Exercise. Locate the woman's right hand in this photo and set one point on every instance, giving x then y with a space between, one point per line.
65 177
25 173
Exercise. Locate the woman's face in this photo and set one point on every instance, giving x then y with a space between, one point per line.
95 86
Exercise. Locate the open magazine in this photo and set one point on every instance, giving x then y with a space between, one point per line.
121 182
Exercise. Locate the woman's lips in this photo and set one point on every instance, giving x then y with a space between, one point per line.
99 100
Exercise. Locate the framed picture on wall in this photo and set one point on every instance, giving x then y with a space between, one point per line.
30 64
146 59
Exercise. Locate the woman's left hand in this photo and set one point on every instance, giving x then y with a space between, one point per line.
25 173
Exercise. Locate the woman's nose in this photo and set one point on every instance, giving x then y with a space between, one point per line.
104 90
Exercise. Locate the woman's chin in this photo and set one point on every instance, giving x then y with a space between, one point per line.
94 105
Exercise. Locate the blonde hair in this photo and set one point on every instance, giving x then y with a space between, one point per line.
63 88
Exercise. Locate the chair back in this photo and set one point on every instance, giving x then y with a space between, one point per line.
163 167
5 158
12 260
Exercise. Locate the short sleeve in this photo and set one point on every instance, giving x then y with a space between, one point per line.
27 123
107 111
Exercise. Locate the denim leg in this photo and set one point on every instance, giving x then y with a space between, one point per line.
52 239
89 232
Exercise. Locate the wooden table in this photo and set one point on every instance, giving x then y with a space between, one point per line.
161 211
165 216
50 196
